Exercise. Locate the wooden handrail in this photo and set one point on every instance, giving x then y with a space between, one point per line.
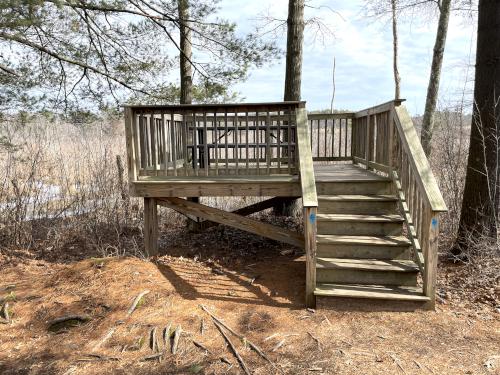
421 167
306 169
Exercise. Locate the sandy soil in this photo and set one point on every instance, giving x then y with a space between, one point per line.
256 286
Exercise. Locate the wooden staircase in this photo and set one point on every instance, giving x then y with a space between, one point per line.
361 249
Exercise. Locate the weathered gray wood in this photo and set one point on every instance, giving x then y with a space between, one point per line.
310 214
234 220
383 292
307 181
430 248
423 173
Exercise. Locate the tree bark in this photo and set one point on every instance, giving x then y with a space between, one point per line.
435 76
293 73
186 70
481 200
294 41
397 78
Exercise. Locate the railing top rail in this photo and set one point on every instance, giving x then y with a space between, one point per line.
384 107
329 116
424 176
264 106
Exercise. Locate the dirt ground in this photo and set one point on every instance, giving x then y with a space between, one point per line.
256 287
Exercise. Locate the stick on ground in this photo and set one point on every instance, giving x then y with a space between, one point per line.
233 349
136 302
240 336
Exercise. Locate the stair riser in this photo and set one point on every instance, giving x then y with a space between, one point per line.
359 187
363 251
360 228
350 276
357 207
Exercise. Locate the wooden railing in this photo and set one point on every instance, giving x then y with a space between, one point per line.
385 140
331 135
212 140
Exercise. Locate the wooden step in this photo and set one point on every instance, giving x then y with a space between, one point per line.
367 247
366 271
360 224
383 292
379 186
357 204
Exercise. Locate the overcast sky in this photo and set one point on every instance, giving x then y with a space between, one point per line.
363 52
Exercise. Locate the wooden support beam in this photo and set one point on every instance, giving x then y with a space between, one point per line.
150 227
233 220
251 209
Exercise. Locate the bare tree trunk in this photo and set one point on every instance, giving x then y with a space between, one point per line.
186 73
293 74
481 201
433 88
294 41
397 78
186 69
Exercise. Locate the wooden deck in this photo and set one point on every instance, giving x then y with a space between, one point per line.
362 177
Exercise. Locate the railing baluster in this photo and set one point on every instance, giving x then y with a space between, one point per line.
172 138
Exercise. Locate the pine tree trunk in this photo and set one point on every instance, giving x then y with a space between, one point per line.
293 74
397 78
186 69
186 73
294 41
433 87
481 200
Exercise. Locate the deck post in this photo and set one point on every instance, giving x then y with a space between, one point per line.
150 227
310 214
430 248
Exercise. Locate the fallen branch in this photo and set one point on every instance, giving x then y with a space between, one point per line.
241 337
92 357
136 302
233 349
105 338
317 341
152 357
201 346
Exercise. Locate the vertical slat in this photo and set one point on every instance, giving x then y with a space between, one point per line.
152 126
289 140
268 141
247 146
205 143
216 143
236 141
333 137
340 138
226 135
172 139
318 143
278 141
325 154
195 145
346 136
185 142
164 140
257 135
